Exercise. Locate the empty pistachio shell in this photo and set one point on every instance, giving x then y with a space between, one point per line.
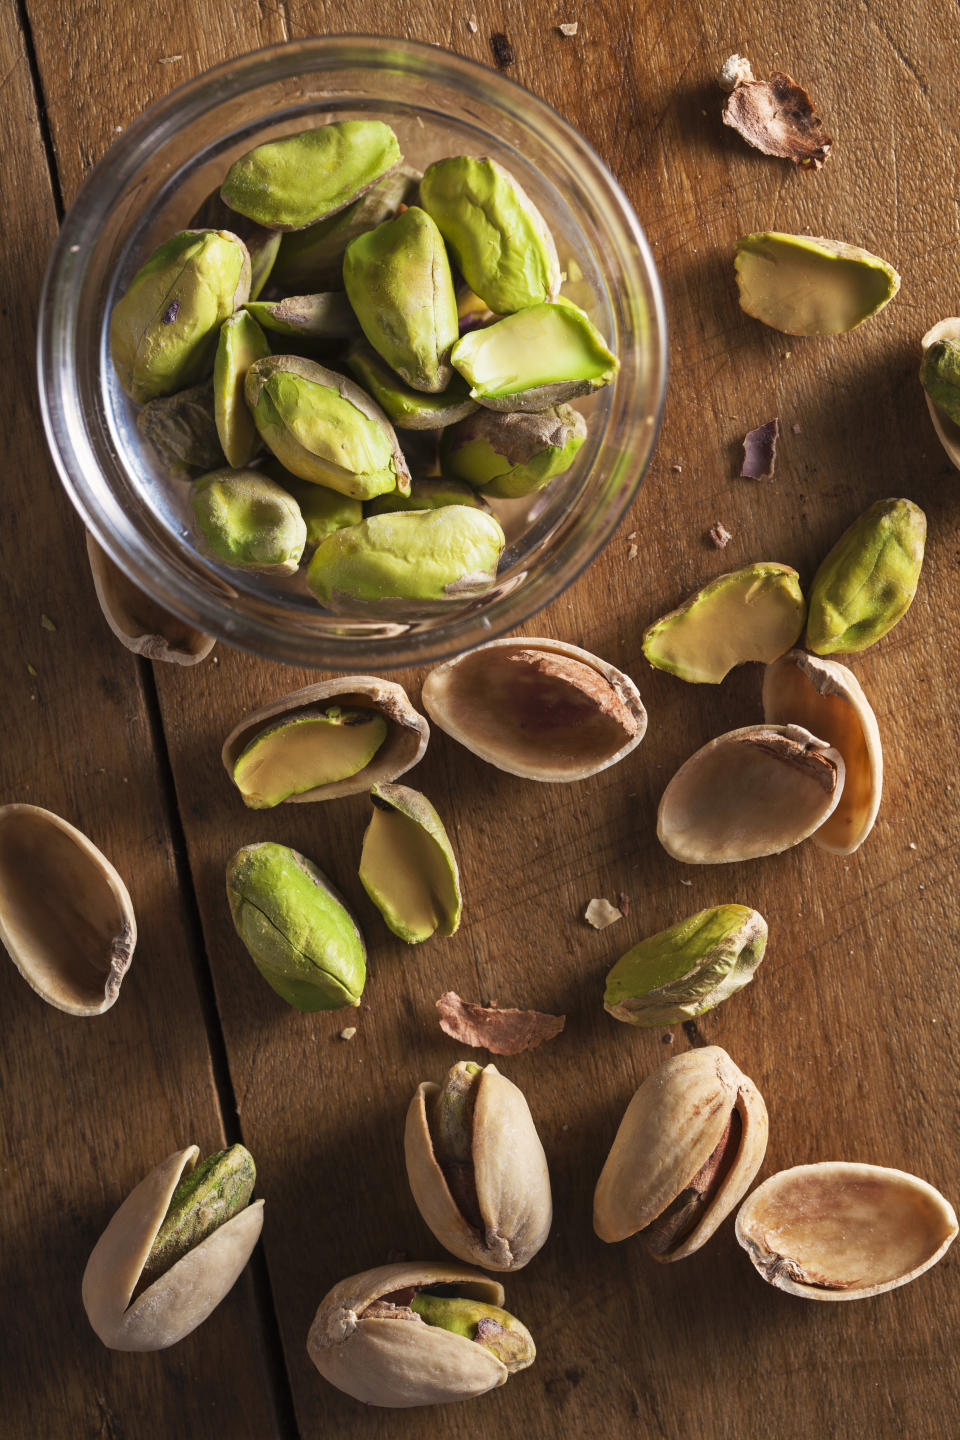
163 332
512 455
691 1140
406 738
138 621
535 359
305 751
428 494
940 380
409 409
868 581
312 259
498 237
298 179
66 918
170 1306
751 792
805 285
297 930
397 278
250 521
842 1231
826 698
755 613
241 343
477 1168
315 317
323 510
537 707
367 1341
408 867
687 969
181 430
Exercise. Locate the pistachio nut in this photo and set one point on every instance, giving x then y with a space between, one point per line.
369 1341
408 409
408 867
323 510
498 237
181 430
263 245
428 494
477 1168
305 751
756 613
868 581
323 428
510 455
296 928
298 179
689 1144
312 259
945 409
940 376
173 1250
241 343
66 917
535 359
687 969
248 520
137 620
313 317
805 285
397 278
843 1231
164 329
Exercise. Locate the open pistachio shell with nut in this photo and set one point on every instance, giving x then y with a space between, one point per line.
241 343
173 1250
407 865
691 1140
844 1231
512 455
535 359
248 520
805 285
537 707
181 430
752 792
138 621
869 579
387 1338
940 378
477 1168
311 259
409 409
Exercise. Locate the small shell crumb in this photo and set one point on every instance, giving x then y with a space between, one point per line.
569 28
760 451
348 1033
720 535
600 913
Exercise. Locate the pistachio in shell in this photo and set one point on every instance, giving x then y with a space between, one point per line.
408 867
868 580
241 343
510 455
535 359
312 317
307 750
323 510
430 493
311 260
408 409
689 1144
488 1325
138 621
66 917
537 707
940 378
756 613
209 1228
477 1169
248 520
844 1231
805 285
181 430
296 928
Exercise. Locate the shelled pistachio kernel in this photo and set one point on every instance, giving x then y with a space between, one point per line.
181 429
430 493
869 579
305 751
311 259
408 409
488 1325
805 285
241 343
408 867
250 521
510 455
535 358
323 510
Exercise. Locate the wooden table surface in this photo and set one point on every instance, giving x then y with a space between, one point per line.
851 1027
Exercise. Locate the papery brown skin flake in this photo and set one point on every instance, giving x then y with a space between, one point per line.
760 452
777 117
502 1032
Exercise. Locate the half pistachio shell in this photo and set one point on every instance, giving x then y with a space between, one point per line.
691 1140
66 918
827 699
805 285
752 792
538 708
408 867
946 425
138 621
535 359
843 1231
183 1296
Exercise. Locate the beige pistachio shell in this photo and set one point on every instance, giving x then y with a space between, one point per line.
406 739
948 431
537 707
138 621
402 1362
843 1231
183 1297
827 699
510 1172
752 792
66 917
670 1130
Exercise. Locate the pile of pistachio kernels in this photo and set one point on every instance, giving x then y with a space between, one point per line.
329 297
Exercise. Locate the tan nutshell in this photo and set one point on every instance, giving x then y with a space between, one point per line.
948 431
844 1231
138 621
66 917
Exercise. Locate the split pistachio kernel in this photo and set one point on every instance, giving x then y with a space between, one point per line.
805 285
535 359
310 749
241 343
408 867
323 510
868 581
250 521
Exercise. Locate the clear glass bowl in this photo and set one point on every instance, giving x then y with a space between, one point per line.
148 186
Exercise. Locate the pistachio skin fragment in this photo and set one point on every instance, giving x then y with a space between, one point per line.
535 358
408 409
181 429
510 455
205 1198
868 580
248 520
940 376
502 1334
806 285
312 259
241 343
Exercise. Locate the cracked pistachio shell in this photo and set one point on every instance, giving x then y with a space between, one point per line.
826 698
427 494
298 179
390 1356
262 245
241 343
843 1231
408 409
477 1169
138 621
537 707
314 317
687 969
488 1325
181 430
297 930
805 285
322 427
323 510
205 1198
535 359
940 378
510 455
250 521
305 751
397 278
690 1142
756 613
66 918
407 865
163 332
868 581
183 1296
312 259
498 237
752 792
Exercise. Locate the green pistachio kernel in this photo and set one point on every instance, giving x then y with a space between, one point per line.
534 359
510 455
427 494
868 581
312 259
496 1330
206 1198
306 751
940 376
408 409
408 867
241 343
250 521
313 317
181 429
323 510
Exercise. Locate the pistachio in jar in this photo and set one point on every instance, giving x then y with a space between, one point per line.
512 454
